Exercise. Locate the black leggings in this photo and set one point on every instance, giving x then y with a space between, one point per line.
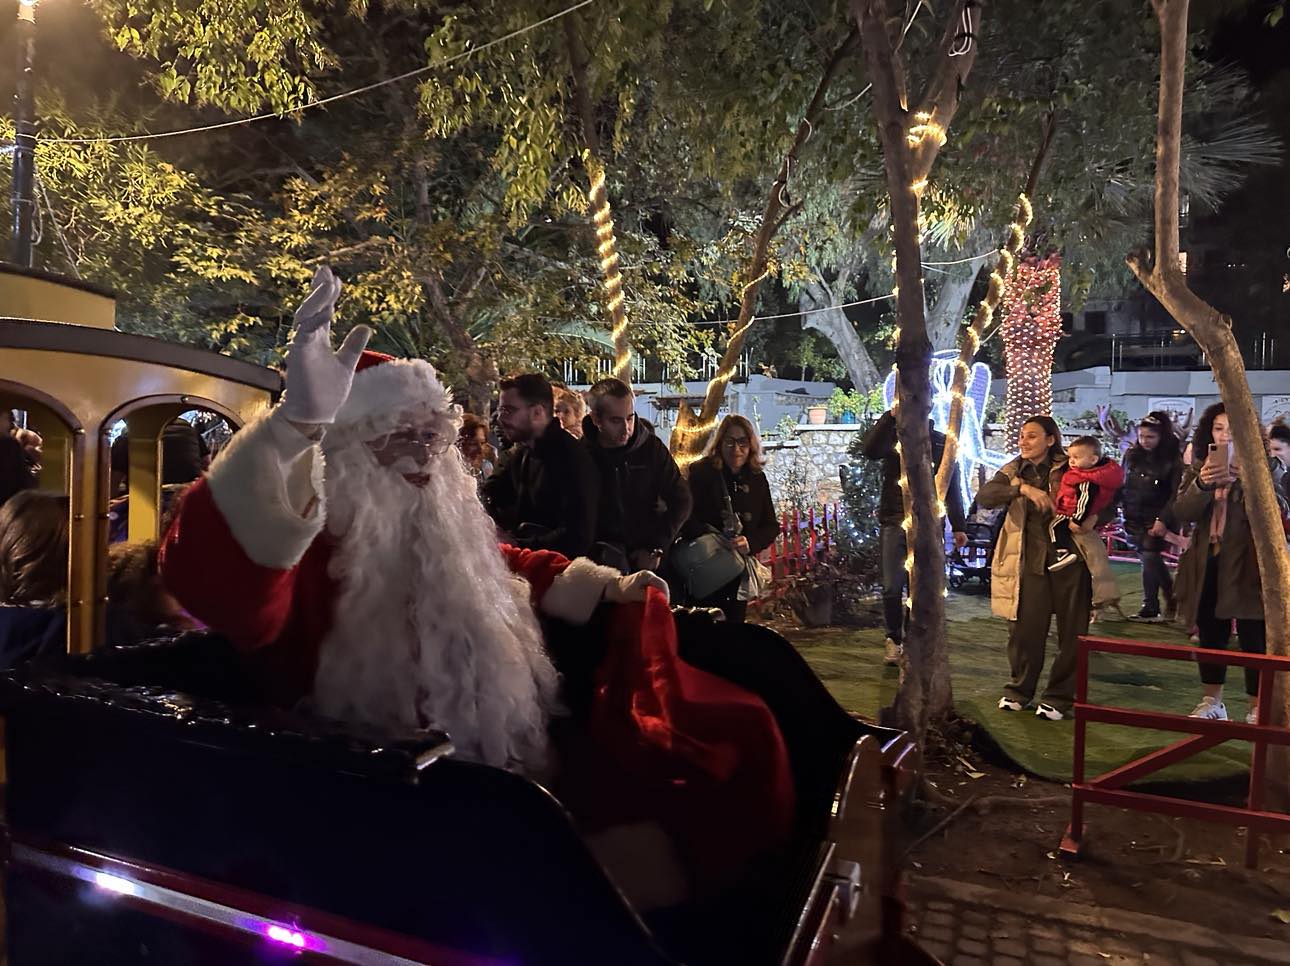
1216 631
1155 575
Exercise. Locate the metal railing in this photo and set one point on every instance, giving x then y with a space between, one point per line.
1109 788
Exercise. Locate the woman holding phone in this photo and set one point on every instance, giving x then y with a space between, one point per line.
1218 576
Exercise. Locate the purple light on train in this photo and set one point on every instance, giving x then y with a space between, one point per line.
114 883
288 937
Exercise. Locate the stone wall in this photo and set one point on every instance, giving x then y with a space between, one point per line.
804 470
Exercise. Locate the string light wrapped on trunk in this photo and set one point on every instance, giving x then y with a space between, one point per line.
607 250
1031 328
970 342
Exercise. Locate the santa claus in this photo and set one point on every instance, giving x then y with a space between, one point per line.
339 543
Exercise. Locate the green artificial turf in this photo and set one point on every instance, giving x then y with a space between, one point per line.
850 663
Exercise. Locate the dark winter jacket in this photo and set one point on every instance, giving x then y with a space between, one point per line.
1150 483
879 443
28 632
749 498
545 495
643 497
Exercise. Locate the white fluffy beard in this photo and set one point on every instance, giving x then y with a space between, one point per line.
431 628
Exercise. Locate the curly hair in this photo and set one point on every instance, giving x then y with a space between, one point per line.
33 548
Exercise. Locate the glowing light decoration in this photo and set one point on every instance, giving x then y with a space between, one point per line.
114 883
288 937
1031 327
972 451
607 250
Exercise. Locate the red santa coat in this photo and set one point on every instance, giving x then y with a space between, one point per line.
244 559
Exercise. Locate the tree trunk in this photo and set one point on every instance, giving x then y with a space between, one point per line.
1031 327
1212 331
946 319
910 144
830 321
598 196
692 432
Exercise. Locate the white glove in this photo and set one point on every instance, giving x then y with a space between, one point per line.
632 588
318 380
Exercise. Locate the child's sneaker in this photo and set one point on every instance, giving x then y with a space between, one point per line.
1210 708
1064 559
1252 716
1048 712
891 653
1009 704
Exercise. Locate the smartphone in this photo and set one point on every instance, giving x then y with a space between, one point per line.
1219 457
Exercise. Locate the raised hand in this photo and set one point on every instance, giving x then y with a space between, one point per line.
318 380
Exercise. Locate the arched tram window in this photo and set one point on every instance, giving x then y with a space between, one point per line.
77 379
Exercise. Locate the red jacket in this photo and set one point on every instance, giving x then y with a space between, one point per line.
1106 475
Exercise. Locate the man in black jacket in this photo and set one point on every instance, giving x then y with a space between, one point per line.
643 497
543 492
879 443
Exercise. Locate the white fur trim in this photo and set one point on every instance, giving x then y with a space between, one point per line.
263 482
574 594
385 396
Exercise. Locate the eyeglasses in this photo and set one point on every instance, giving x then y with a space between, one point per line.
737 442
409 440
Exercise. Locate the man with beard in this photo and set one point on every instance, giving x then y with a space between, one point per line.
340 545
643 498
543 492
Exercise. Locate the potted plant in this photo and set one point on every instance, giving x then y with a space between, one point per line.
838 405
815 415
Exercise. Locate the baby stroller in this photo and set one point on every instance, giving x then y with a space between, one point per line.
973 560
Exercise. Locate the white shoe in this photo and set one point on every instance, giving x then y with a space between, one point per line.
1048 712
893 651
1211 709
1252 716
1009 704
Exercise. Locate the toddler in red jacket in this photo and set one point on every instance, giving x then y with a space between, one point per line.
1088 487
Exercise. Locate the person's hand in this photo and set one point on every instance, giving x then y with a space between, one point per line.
1085 527
633 587
960 539
740 543
1158 529
646 559
1038 497
1212 475
318 380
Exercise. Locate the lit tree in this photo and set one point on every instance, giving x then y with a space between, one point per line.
1032 325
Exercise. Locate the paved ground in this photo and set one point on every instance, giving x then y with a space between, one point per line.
969 925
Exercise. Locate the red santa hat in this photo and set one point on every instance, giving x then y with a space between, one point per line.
388 394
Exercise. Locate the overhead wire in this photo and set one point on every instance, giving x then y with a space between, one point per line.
275 115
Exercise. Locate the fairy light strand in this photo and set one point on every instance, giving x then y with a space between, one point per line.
607 252
970 341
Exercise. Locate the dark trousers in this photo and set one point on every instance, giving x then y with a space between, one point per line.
892 549
1215 632
1155 574
1068 595
736 611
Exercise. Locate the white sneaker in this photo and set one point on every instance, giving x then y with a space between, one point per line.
1009 704
1048 712
1210 708
893 651
1252 716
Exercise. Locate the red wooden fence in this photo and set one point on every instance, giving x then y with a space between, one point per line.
803 539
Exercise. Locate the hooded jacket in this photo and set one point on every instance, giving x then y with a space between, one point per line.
1150 483
879 443
643 497
1106 475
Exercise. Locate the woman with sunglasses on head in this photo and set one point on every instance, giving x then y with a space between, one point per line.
732 496
1153 469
